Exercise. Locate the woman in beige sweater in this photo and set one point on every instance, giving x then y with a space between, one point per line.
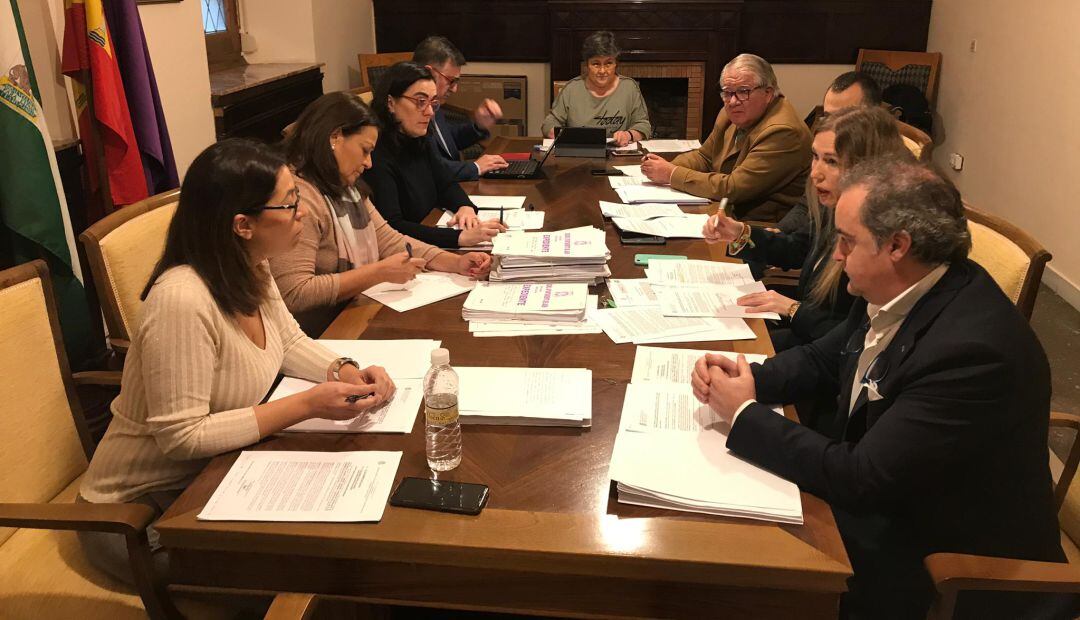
346 246
213 335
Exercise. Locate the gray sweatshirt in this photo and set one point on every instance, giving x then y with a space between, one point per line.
622 110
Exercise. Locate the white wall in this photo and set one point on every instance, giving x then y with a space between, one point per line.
1010 109
42 38
174 35
283 30
804 85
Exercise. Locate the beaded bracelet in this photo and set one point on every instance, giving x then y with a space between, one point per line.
741 242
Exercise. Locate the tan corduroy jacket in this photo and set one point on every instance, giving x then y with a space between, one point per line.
764 175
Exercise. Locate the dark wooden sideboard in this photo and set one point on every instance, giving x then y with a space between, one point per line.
709 31
259 100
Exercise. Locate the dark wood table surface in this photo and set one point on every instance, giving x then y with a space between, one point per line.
552 539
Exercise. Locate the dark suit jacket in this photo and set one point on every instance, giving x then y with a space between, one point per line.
953 457
458 137
408 180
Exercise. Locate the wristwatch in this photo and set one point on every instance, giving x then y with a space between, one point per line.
335 366
792 309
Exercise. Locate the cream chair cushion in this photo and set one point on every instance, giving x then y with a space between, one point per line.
44 574
1003 259
40 451
130 253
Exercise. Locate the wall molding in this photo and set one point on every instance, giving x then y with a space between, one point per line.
1063 286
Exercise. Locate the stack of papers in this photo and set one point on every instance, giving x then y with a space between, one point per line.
647 325
514 219
670 451
525 396
320 487
670 146
426 288
406 361
497 302
627 293
482 329
637 193
685 226
701 288
571 255
643 211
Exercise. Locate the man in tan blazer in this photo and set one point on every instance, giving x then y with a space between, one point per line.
758 154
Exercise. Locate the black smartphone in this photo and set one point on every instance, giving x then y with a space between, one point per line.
632 238
602 172
443 495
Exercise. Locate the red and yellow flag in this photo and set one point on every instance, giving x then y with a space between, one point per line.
88 49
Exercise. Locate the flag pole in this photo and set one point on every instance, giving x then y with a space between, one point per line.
97 150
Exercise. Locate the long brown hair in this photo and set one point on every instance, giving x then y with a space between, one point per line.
861 133
230 177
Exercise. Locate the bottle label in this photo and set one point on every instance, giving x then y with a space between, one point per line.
441 416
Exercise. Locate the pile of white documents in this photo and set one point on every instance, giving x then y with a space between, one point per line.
502 302
484 329
571 255
426 288
701 288
658 219
671 451
635 188
525 396
406 361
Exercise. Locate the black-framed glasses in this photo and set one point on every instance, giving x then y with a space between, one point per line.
742 94
294 207
449 80
421 103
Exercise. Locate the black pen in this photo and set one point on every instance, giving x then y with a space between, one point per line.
500 215
408 249
352 398
531 207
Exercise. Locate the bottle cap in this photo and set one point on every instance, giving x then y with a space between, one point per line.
440 357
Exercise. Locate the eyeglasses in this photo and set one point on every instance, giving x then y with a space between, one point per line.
449 80
742 94
294 207
421 103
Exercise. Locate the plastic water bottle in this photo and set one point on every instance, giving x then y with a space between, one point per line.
441 413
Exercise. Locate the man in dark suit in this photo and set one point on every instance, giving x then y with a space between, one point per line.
943 396
447 137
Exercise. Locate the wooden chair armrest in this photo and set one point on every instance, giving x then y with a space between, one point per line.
292 606
954 572
1072 460
97 377
114 518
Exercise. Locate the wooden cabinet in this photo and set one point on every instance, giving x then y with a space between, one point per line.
258 101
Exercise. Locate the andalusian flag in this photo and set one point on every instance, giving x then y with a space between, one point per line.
88 49
33 212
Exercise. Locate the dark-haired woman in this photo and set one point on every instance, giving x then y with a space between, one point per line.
407 178
213 336
346 246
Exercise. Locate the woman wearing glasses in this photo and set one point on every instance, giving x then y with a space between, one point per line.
407 178
213 336
601 98
821 299
346 246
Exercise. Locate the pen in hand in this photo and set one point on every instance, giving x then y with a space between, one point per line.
500 214
352 398
715 219
408 247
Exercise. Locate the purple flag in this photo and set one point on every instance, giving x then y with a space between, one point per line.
140 86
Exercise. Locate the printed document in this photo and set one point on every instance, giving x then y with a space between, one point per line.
643 211
628 293
634 193
646 325
515 219
698 272
720 300
528 396
426 288
670 146
265 485
686 226
663 365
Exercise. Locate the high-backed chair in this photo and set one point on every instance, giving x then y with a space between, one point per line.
953 573
44 451
372 66
918 69
123 249
556 88
1012 257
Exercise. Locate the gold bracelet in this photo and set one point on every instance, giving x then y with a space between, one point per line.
792 309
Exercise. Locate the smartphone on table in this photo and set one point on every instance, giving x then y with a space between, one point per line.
442 495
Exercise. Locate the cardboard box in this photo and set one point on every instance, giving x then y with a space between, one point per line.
509 91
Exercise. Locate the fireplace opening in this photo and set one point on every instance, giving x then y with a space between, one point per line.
667 100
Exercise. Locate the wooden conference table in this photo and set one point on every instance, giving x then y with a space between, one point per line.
552 539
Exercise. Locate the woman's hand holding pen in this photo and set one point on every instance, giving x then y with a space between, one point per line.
658 169
399 268
721 229
476 265
334 400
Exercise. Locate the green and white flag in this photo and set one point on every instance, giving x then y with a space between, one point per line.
32 204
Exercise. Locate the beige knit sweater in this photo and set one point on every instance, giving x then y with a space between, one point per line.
191 381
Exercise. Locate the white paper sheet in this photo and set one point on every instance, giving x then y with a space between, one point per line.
634 193
396 415
631 170
581 242
665 407
629 293
267 485
427 288
557 395
486 203
719 300
642 211
670 146
515 219
664 365
698 272
686 226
